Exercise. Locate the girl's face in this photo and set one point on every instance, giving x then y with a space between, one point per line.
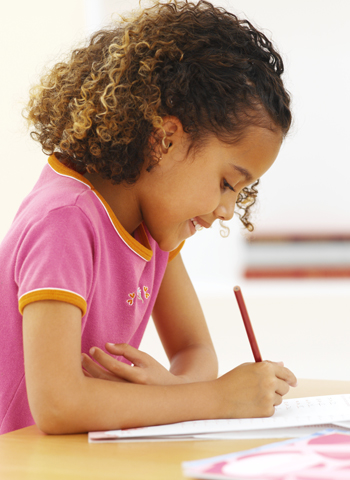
184 190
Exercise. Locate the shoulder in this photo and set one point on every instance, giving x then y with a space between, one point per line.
57 193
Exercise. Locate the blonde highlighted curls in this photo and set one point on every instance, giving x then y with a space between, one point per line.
99 110
246 199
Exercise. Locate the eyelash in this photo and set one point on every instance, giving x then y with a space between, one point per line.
227 185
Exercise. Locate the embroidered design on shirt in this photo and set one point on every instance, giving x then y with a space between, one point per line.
145 291
139 296
130 301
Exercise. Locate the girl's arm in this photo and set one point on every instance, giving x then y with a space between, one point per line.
182 328
62 400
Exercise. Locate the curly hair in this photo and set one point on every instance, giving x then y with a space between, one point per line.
216 73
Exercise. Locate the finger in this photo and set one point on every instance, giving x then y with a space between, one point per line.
119 369
285 374
278 400
94 370
282 387
91 367
135 356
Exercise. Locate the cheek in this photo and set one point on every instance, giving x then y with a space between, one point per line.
209 199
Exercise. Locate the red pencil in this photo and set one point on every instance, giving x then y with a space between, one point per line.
247 324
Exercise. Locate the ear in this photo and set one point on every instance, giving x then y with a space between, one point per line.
172 127
164 139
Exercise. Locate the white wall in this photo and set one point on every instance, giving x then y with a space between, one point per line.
31 35
304 323
307 189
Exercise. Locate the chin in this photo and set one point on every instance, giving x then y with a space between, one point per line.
168 246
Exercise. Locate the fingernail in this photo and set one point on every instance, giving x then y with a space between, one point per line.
82 358
92 350
110 344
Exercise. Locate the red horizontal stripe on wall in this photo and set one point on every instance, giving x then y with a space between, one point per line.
299 272
296 238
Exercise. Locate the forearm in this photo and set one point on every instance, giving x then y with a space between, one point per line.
182 328
102 405
196 363
250 390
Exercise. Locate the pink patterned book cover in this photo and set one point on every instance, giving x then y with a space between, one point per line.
322 456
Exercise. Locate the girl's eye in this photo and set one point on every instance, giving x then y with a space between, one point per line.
227 185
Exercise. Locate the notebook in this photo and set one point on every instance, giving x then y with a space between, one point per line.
294 417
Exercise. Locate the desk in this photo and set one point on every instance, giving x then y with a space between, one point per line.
29 454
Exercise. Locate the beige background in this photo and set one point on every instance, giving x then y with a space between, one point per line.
306 324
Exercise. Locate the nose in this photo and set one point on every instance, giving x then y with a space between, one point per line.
226 208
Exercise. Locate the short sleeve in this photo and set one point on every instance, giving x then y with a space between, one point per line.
174 252
55 259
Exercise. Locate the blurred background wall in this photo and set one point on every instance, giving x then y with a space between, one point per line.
304 322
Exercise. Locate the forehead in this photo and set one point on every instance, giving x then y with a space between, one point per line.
251 156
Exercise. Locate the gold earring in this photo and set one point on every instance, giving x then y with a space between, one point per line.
163 144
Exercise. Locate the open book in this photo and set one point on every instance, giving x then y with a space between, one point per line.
293 418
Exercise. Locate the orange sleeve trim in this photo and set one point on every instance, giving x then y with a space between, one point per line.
174 252
52 294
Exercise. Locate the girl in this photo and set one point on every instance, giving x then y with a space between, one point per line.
158 127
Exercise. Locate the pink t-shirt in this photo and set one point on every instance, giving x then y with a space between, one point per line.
66 244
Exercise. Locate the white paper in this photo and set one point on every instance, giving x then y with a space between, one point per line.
297 412
289 432
343 424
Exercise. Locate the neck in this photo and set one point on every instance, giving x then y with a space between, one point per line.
122 199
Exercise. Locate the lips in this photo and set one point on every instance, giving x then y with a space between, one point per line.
197 226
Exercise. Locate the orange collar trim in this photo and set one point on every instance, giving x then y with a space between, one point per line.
142 250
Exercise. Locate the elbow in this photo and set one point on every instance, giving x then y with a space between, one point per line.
49 423
52 421
56 414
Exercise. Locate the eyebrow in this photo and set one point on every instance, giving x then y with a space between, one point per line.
243 171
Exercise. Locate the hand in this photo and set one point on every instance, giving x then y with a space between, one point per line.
145 370
253 389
